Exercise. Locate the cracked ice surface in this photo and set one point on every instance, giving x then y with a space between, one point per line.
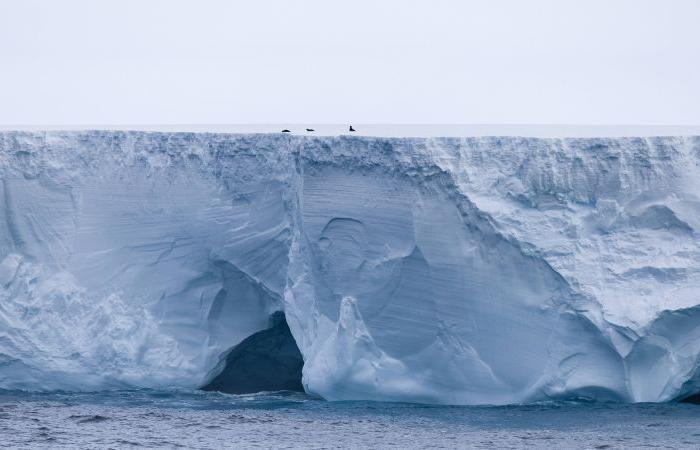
448 270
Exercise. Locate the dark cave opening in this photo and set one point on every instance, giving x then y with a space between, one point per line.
693 398
268 360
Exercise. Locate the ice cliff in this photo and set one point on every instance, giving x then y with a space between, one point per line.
447 270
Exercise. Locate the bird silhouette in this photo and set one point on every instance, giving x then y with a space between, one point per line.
351 128
286 131
309 129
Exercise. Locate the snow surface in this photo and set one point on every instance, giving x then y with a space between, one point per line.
393 130
444 270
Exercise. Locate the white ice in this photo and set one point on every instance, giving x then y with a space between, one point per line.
442 270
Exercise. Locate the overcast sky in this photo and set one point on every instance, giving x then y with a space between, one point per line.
361 61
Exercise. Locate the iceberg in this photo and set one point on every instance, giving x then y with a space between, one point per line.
483 270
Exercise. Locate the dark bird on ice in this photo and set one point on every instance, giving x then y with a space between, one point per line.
286 131
309 129
351 128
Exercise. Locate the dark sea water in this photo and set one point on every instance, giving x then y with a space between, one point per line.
186 419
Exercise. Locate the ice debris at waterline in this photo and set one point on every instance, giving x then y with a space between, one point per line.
269 360
447 270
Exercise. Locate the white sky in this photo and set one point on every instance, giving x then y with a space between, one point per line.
361 61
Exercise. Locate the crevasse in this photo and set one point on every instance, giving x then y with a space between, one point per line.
441 270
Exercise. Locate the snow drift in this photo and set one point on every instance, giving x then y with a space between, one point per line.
446 270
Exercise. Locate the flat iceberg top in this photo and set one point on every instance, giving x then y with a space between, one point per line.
440 269
398 130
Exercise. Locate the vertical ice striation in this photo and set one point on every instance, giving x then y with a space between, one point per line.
473 270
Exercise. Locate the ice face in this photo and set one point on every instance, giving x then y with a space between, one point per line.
444 270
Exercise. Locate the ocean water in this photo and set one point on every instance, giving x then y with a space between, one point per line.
192 419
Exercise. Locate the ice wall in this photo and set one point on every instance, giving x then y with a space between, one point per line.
449 270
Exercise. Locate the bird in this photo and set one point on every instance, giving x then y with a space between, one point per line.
286 131
351 128
309 129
